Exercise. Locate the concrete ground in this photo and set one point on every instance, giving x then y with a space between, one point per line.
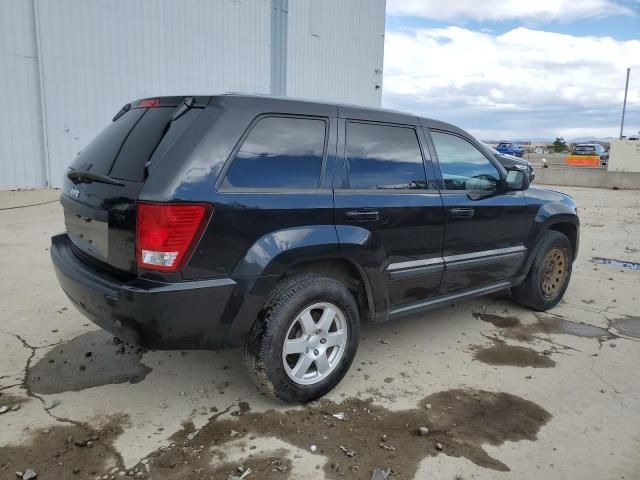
504 393
550 157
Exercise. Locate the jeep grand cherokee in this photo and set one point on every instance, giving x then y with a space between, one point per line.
282 225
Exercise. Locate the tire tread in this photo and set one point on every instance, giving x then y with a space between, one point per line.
529 293
262 335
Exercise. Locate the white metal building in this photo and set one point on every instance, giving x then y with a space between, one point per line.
66 66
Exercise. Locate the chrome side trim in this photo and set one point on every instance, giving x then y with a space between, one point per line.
438 301
414 268
510 258
416 271
484 253
415 263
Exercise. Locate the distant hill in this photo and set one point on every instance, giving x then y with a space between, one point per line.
550 140
592 139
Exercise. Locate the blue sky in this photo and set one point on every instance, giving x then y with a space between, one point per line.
515 68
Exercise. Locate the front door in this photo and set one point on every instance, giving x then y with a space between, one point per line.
387 218
485 230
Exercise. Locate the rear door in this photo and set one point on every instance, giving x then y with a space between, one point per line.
271 196
387 217
485 228
102 184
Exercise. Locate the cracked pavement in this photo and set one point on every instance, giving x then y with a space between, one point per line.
573 371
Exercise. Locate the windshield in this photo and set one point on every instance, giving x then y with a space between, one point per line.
491 149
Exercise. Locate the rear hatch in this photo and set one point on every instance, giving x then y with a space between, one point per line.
583 155
103 183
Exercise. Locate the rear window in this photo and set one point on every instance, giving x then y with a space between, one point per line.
584 149
279 152
384 157
122 149
140 144
99 154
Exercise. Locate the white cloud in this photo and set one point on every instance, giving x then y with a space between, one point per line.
540 10
529 77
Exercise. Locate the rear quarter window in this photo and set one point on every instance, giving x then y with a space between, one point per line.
279 152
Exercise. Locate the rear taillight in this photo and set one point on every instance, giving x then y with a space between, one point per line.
166 233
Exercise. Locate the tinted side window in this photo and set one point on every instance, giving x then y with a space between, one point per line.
463 166
279 153
383 157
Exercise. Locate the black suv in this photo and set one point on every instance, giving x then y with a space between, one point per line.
282 225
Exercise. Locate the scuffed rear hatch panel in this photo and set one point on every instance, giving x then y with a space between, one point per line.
89 232
100 221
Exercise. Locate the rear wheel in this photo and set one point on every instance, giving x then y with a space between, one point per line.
304 339
549 276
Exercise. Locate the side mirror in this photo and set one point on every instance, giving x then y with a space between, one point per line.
517 180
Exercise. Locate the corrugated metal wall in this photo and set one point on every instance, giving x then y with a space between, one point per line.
335 50
69 65
21 149
97 55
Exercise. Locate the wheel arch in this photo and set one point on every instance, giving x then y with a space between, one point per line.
346 272
566 223
570 231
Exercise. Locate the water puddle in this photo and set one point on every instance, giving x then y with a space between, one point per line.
513 329
627 326
66 451
89 360
616 263
513 356
10 403
459 421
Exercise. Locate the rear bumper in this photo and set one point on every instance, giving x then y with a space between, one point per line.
583 160
154 315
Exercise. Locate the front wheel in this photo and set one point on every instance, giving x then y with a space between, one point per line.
550 273
304 339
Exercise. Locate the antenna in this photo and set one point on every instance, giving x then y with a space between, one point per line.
624 104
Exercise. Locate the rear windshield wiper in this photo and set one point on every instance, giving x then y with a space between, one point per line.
85 176
183 108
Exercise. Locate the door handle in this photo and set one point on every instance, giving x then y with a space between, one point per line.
462 212
362 215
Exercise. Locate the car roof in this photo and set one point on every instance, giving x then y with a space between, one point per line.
301 106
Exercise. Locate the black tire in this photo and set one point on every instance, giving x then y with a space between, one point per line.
264 347
535 292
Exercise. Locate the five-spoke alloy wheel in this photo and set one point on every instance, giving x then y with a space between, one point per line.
304 339
315 343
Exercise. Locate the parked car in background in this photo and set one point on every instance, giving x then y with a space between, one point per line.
509 148
511 162
588 154
282 225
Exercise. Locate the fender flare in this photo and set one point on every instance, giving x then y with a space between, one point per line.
548 216
269 258
266 261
